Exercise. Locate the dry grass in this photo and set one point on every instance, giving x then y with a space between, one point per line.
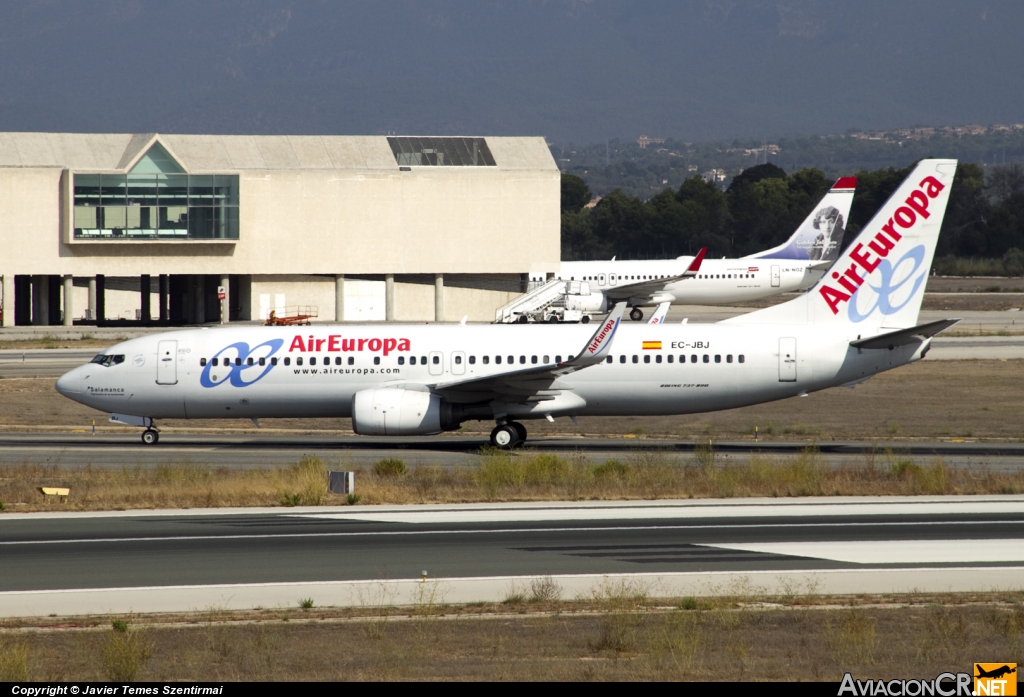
615 633
499 476
979 399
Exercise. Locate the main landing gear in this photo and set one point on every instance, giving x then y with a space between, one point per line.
508 435
150 436
636 314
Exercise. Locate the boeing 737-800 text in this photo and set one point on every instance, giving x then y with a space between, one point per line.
392 379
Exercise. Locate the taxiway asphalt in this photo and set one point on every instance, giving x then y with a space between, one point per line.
144 561
346 451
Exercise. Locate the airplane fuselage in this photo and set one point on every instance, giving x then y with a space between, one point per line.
718 282
316 371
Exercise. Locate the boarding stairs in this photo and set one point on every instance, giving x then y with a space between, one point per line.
533 303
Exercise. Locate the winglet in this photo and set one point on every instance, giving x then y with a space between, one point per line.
694 266
659 315
600 343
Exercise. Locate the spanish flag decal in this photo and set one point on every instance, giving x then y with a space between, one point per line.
652 345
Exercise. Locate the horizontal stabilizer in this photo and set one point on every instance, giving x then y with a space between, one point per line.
902 337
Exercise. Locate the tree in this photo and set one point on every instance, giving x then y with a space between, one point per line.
575 193
754 174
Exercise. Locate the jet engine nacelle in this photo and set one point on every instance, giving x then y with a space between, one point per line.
400 412
595 302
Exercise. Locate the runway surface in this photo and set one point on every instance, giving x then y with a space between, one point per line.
869 543
341 452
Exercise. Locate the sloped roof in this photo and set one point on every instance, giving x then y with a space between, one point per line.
117 152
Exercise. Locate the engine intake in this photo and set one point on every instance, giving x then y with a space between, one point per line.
401 412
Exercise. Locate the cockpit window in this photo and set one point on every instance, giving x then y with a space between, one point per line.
108 360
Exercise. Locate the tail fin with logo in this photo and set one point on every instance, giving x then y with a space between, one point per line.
877 283
820 236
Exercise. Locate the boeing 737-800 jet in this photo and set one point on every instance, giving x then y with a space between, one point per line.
859 320
796 264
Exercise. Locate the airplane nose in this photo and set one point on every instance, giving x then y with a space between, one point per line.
70 383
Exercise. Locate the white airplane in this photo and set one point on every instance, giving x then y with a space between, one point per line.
395 380
796 264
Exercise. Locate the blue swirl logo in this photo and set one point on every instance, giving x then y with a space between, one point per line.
231 364
886 288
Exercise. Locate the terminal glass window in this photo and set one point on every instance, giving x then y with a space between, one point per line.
157 200
441 152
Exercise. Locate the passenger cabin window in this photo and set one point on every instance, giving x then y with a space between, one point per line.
436 360
249 361
287 361
669 359
533 360
707 358
608 360
742 358
202 361
546 361
558 359
718 358
472 360
458 360
298 361
351 360
238 360
376 360
522 360
337 360
693 358
728 358
497 360
263 360
486 360
657 359
647 358
401 360
622 358
273 361
636 359
312 360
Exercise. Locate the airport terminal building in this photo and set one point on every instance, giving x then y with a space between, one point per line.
145 227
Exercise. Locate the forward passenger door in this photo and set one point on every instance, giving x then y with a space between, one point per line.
166 363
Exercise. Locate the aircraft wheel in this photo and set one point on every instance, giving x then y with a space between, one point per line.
520 431
636 314
504 437
150 437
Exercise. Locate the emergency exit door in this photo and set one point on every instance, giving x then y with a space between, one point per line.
787 359
166 363
435 366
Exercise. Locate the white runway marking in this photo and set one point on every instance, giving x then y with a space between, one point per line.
669 512
894 551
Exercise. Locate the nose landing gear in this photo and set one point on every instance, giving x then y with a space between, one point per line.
508 435
150 436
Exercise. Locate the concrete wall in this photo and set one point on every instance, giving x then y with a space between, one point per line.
364 300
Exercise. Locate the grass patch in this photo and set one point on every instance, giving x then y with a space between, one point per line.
501 476
615 632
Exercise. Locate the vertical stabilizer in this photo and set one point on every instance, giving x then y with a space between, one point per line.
820 236
878 282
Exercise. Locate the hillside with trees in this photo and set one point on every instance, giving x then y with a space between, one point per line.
763 206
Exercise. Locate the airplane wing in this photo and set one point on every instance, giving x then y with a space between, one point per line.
643 291
540 382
